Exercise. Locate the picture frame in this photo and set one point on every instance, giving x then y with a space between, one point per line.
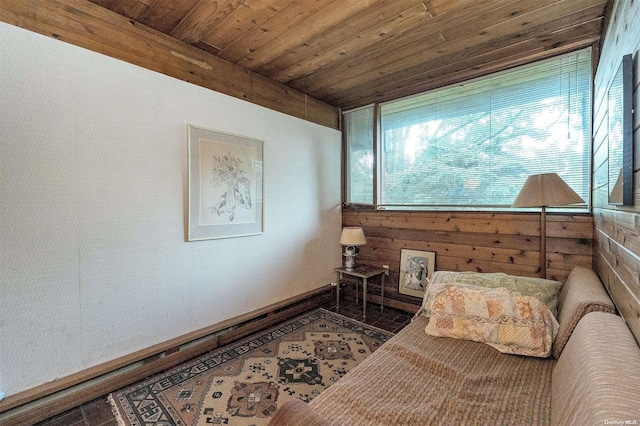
225 185
416 269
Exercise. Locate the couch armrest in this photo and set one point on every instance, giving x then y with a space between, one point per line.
582 293
596 378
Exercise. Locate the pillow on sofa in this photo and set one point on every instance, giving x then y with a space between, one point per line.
544 290
509 321
582 293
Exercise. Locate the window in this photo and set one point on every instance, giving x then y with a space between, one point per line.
472 145
358 127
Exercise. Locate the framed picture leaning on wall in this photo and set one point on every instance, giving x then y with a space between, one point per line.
225 185
416 268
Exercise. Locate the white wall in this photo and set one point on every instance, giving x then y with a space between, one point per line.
93 180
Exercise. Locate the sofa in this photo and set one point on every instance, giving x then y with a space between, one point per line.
589 375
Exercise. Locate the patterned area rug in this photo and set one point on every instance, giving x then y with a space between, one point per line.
244 383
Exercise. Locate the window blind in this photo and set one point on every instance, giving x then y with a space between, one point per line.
474 144
358 128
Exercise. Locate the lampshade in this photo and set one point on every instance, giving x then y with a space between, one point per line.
616 191
352 236
546 189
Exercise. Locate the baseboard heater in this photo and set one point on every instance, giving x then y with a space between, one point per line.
47 400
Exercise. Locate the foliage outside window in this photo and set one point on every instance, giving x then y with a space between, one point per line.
472 145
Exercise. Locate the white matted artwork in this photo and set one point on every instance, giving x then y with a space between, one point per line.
225 185
416 268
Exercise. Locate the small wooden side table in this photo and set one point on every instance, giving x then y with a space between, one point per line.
364 272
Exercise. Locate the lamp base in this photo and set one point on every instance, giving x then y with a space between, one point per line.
349 258
349 262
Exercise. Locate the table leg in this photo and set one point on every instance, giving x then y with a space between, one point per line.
357 283
364 299
339 277
382 293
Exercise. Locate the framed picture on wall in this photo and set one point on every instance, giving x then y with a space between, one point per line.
225 185
416 268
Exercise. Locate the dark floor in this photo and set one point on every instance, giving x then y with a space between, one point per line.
98 412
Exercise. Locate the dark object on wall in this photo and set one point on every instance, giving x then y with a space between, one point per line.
620 109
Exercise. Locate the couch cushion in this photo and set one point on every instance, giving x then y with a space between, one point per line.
417 379
582 293
596 379
506 320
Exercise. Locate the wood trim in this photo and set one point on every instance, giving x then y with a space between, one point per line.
87 25
229 330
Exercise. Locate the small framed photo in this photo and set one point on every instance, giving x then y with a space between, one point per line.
416 268
225 185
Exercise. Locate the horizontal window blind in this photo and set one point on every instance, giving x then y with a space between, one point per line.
358 127
474 144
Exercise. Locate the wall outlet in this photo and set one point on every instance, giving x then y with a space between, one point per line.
387 269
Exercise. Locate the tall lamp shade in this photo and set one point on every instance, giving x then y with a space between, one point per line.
616 195
543 190
351 237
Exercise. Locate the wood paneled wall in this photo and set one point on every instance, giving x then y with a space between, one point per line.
469 241
617 229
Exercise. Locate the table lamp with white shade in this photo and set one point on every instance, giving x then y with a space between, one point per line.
351 238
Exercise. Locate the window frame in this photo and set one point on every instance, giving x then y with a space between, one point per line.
377 161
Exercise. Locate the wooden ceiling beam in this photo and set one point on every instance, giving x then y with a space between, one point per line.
87 25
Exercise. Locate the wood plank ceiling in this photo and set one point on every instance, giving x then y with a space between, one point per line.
350 53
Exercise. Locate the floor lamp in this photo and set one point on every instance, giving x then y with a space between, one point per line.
545 190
